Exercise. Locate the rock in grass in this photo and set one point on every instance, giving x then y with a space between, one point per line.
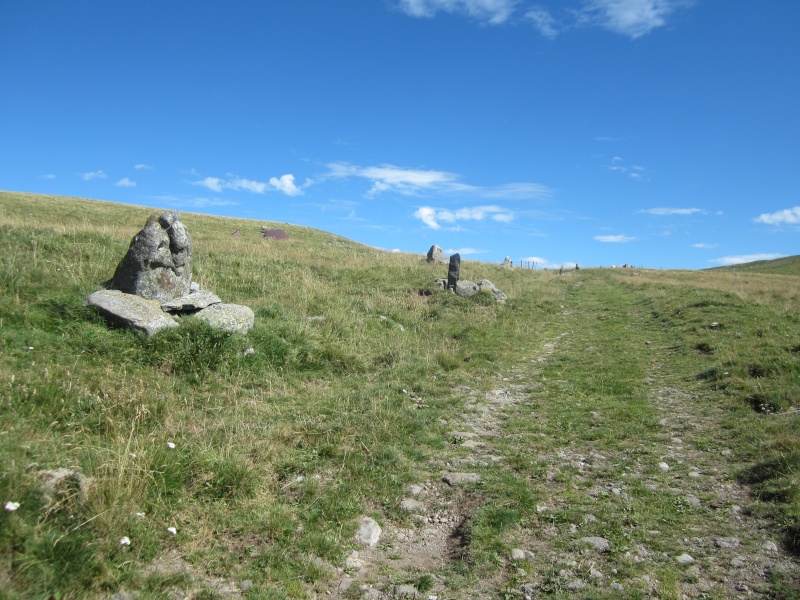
598 543
685 559
369 532
193 301
412 506
487 286
466 289
158 264
61 484
129 310
461 478
234 318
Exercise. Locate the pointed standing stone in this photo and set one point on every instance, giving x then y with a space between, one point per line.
158 265
454 272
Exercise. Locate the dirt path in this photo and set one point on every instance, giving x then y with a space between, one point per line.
655 514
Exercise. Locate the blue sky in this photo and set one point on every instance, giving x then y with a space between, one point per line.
660 133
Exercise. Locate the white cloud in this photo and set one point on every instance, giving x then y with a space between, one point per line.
788 216
704 246
614 239
284 184
212 183
433 217
257 187
672 211
93 175
745 258
543 21
125 182
490 11
632 18
48 176
411 182
465 251
427 215
142 167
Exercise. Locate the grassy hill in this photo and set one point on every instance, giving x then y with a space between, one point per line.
494 444
788 265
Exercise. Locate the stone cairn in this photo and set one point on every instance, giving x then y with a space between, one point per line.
152 284
465 288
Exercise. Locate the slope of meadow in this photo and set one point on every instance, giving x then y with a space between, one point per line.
656 411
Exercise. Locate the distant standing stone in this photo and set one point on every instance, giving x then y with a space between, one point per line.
454 272
369 532
436 254
507 263
158 265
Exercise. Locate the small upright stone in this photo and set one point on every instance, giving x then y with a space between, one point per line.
436 254
507 263
454 272
158 265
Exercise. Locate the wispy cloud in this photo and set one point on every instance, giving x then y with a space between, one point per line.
634 172
125 182
704 246
543 21
194 202
788 216
434 218
631 18
284 184
142 167
465 251
47 176
412 182
488 11
614 239
745 258
93 175
673 211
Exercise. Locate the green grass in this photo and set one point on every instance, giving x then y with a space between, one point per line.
277 453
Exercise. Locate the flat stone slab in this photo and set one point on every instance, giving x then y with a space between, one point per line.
235 318
195 300
129 310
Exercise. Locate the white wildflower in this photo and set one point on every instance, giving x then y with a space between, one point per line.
126 541
12 506
170 445
172 530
